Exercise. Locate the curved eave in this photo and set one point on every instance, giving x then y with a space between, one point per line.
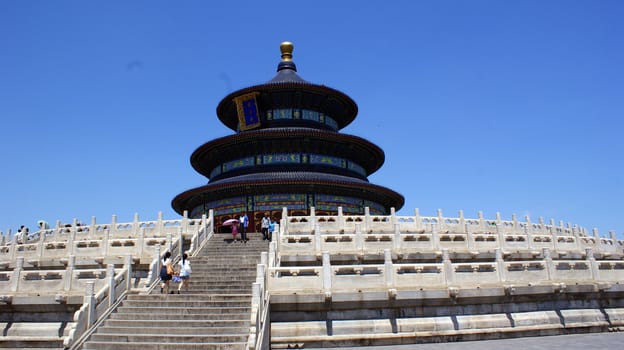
249 143
292 95
278 184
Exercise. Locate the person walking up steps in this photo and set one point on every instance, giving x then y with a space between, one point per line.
185 274
166 273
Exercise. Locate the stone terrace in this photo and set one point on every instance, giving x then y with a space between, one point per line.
326 281
387 280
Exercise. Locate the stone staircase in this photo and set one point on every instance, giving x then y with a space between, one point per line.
213 314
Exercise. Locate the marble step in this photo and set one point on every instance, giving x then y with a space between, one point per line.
184 310
98 345
179 323
179 329
171 337
181 316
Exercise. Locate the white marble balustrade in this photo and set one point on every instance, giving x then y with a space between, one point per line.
442 275
372 234
137 238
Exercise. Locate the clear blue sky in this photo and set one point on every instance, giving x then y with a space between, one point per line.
508 106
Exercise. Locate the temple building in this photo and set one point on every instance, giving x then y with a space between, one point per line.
287 152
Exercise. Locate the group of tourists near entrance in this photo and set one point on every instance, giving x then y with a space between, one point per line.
241 224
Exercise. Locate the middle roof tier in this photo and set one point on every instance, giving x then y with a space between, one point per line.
302 149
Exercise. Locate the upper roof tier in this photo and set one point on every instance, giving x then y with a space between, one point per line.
314 105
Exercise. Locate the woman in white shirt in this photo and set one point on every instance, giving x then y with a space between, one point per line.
185 273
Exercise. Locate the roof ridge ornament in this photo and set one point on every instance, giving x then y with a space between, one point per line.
286 49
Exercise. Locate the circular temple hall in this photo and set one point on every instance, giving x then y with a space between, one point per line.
287 151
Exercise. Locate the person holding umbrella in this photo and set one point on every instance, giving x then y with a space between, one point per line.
234 223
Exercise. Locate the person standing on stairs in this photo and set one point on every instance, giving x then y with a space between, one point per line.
266 222
244 222
185 273
234 233
166 273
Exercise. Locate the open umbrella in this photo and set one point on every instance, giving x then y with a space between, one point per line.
231 222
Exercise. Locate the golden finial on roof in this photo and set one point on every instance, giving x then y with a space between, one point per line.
287 48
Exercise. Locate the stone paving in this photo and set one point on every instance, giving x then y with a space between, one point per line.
567 342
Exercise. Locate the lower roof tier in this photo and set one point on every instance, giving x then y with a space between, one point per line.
285 183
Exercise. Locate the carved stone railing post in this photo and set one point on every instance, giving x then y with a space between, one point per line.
327 275
113 226
17 272
341 220
272 255
596 235
68 280
542 225
502 241
141 241
500 265
359 238
256 311
169 243
92 228
211 220
593 265
204 223
417 220
159 224
482 227
388 268
41 244
317 239
514 223
462 225
89 299
285 219
155 265
397 240
312 218
441 223
435 237
13 247
576 232
180 242
135 225
448 267
367 220
185 222
105 242
110 279
69 246
550 265
260 275
393 216
129 272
